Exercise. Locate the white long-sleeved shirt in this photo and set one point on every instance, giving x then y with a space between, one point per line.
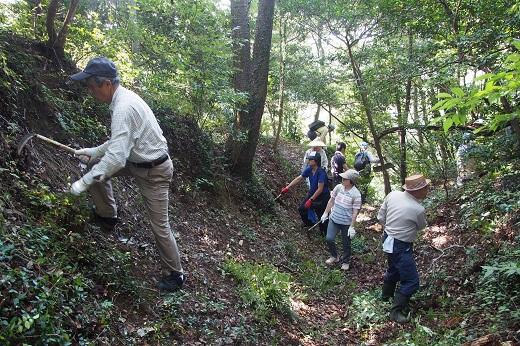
324 160
135 135
402 216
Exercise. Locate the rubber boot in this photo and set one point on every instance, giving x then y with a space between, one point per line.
398 311
388 291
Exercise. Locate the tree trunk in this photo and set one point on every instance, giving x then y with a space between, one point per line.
281 91
249 119
57 41
368 111
402 141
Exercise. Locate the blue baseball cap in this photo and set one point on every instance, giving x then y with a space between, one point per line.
99 66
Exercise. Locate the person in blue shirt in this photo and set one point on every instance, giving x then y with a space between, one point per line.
312 207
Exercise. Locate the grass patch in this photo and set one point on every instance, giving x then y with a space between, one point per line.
262 287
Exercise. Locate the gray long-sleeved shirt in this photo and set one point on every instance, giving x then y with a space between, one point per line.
402 216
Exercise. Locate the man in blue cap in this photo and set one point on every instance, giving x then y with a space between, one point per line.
137 148
318 195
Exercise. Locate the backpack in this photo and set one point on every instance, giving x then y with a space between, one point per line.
362 162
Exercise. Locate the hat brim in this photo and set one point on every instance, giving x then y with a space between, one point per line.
80 76
317 144
428 181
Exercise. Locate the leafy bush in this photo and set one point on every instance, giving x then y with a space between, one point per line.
262 287
498 288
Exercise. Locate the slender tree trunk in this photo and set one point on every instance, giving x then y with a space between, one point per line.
416 119
368 111
281 91
248 120
56 42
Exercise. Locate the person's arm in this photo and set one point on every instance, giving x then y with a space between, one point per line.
372 158
304 160
324 160
421 221
118 148
330 205
381 215
295 181
355 213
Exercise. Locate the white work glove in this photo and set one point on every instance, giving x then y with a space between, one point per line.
78 187
86 154
351 232
324 217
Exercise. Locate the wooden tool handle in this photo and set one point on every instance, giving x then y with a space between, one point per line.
52 141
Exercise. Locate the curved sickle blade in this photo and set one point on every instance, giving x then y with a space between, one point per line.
23 142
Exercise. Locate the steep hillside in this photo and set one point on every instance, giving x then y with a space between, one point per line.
254 277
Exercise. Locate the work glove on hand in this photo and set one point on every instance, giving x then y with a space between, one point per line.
308 203
85 154
324 217
285 190
351 232
78 187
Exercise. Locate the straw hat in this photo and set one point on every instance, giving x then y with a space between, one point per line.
416 182
317 142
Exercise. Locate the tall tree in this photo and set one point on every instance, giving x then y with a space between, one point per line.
251 78
56 41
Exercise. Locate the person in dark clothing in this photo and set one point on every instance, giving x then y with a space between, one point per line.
338 164
312 207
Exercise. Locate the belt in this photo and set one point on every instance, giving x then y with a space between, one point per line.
150 164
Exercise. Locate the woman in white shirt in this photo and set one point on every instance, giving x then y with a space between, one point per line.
344 205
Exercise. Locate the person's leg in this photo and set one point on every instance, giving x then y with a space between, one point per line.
409 278
346 242
330 239
319 206
102 194
303 213
154 184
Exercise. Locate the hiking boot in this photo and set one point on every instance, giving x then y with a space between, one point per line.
172 282
398 312
345 266
331 261
106 224
388 291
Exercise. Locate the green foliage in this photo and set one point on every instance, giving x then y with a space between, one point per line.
421 334
367 311
319 279
499 88
49 296
262 287
258 194
498 288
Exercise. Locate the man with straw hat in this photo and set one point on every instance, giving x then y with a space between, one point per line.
402 216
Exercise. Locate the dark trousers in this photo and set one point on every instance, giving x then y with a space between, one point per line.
402 268
319 206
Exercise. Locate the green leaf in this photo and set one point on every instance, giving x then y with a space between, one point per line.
457 91
439 105
444 96
448 122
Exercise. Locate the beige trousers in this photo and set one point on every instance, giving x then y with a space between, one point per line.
154 184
